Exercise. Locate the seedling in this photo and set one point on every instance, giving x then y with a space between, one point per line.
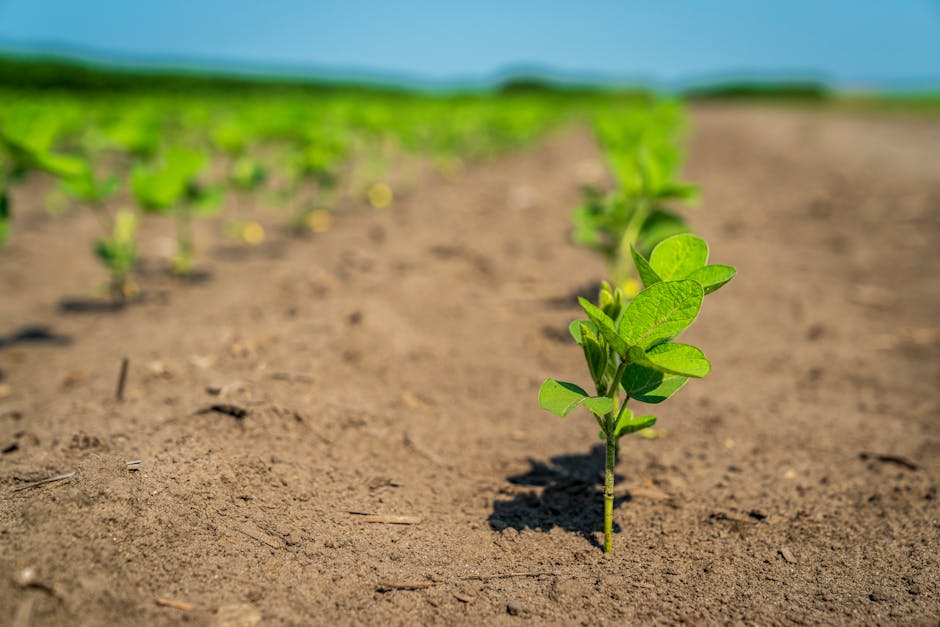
644 158
136 130
26 143
318 160
629 347
232 137
118 253
173 188
246 174
117 250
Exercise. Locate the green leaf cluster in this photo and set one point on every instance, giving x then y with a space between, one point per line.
159 188
629 346
681 257
119 251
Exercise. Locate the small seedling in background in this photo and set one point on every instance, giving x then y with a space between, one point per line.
173 187
117 249
233 138
318 160
644 158
118 253
135 130
629 347
246 174
26 144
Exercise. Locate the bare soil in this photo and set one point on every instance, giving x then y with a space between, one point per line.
389 370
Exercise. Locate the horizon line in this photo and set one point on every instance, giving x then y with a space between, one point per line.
585 79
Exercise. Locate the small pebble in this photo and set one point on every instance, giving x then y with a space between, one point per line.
787 555
514 608
293 539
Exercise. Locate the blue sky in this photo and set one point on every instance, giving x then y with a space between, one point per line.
852 43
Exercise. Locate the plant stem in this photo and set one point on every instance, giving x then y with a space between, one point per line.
610 428
184 242
609 493
624 261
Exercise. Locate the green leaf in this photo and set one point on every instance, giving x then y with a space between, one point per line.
606 326
575 329
595 353
562 398
610 300
65 166
713 276
660 312
660 225
678 256
650 386
672 358
643 268
687 192
628 424
207 200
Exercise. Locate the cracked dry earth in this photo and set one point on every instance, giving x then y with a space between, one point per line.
393 465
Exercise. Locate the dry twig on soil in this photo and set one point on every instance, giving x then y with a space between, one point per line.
36 484
387 519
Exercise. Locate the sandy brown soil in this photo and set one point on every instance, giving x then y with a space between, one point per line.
391 367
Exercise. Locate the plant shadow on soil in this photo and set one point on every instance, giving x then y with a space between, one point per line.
239 252
102 305
33 334
587 290
571 496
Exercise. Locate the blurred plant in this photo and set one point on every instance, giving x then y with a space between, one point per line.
644 156
317 159
135 129
173 187
118 253
233 137
27 140
117 249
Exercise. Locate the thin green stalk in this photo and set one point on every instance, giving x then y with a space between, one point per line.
609 492
184 242
610 426
629 238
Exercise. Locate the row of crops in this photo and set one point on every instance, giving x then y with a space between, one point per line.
129 157
659 277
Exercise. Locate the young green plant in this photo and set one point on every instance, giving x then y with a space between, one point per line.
644 156
630 350
173 187
117 248
26 144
